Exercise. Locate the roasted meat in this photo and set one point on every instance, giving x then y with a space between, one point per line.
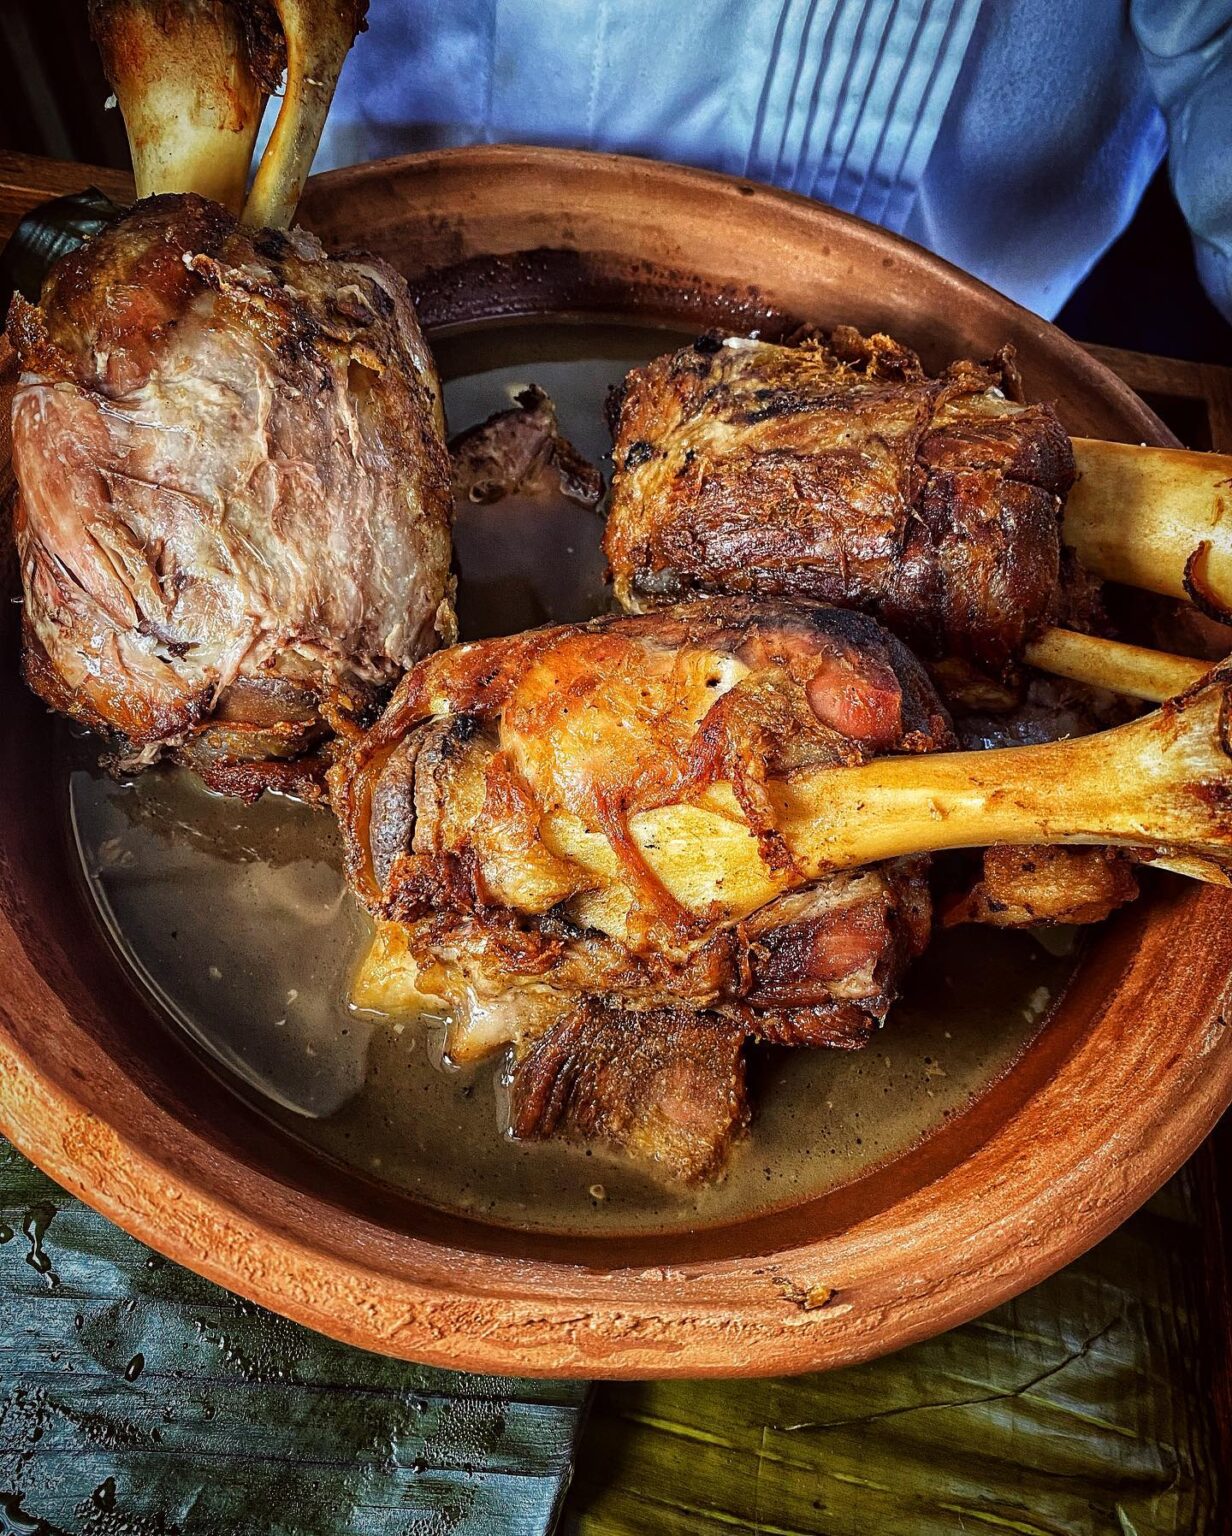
667 1087
490 811
234 501
838 470
1021 887
841 472
521 452
719 808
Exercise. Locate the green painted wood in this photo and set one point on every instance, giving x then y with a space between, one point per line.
1085 1408
136 1397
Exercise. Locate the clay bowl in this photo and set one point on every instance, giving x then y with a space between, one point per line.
1121 1085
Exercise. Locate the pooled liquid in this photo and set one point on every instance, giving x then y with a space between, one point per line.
238 923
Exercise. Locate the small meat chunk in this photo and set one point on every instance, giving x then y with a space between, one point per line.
823 965
521 452
667 1087
1021 887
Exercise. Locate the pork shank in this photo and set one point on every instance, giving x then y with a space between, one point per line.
487 819
233 517
842 472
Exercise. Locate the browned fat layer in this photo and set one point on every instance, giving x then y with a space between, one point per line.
137 724
1031 446
148 286
843 474
420 884
837 1026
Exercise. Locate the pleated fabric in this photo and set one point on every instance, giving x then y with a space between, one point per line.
1013 136
854 96
837 99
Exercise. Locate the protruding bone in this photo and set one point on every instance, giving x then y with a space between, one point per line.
1162 783
190 77
319 34
1133 670
1157 518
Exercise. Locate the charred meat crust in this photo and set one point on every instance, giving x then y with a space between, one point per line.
668 1087
443 801
841 472
233 478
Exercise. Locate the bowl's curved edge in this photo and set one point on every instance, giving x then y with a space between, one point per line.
328 197
658 1333
740 1317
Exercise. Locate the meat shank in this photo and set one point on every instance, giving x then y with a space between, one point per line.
491 813
841 472
233 513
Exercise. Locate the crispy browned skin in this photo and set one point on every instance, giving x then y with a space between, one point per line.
667 1086
234 509
842 473
443 805
1021 887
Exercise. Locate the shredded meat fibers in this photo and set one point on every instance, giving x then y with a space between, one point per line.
234 509
668 1087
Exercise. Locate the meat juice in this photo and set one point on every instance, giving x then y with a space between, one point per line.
237 923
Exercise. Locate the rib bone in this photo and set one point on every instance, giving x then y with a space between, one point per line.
1157 518
191 78
319 34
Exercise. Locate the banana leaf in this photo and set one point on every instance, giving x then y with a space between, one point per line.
1084 1407
45 234
136 1397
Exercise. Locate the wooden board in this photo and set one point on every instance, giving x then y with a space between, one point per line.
136 1397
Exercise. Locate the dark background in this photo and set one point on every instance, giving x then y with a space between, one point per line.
1144 294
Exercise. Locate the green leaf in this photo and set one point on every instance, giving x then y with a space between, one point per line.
45 234
1081 1408
135 1396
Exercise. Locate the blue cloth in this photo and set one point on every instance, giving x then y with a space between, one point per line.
1014 137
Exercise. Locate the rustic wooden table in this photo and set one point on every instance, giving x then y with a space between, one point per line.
135 1397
